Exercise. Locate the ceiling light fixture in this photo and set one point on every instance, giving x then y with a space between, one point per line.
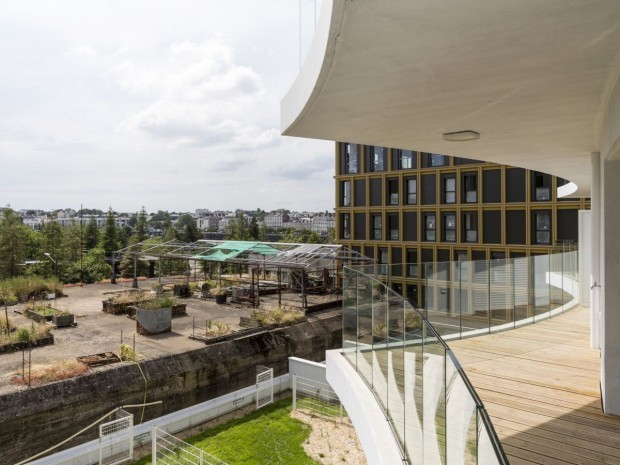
461 136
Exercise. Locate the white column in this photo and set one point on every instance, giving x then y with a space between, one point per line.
609 298
595 252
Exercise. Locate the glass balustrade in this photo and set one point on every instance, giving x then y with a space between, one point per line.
401 353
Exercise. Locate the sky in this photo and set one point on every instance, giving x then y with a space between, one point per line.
171 105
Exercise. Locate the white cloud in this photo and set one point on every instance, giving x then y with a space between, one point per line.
171 105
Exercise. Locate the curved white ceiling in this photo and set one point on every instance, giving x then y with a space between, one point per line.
533 77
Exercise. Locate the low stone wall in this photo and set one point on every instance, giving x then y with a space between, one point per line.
33 419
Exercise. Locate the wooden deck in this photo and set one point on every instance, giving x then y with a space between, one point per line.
540 385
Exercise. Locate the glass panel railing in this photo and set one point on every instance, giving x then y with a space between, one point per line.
309 11
401 354
434 403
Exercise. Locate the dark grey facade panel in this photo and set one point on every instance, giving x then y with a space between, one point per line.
429 189
359 187
410 226
359 224
568 225
515 227
515 185
492 227
492 186
376 192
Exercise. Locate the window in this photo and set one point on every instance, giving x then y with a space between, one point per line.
470 190
449 188
430 160
429 226
376 222
346 193
406 159
541 186
392 191
376 158
412 263
359 193
542 225
376 192
411 187
345 226
351 158
470 227
383 260
392 224
449 227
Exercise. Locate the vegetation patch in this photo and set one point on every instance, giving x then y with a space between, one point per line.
55 371
267 436
279 316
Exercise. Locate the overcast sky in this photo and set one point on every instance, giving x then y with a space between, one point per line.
173 105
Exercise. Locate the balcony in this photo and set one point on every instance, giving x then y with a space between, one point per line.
416 382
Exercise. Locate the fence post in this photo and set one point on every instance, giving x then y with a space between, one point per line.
154 445
201 457
294 392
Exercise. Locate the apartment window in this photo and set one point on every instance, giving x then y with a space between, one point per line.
359 193
449 227
429 227
377 157
359 226
351 157
470 187
345 225
542 227
429 189
430 160
392 191
406 159
410 226
411 187
376 192
449 188
412 263
470 227
492 186
392 224
541 186
345 193
377 228
383 260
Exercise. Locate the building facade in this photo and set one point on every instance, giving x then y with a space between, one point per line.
411 208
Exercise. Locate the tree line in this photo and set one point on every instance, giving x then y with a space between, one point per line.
82 252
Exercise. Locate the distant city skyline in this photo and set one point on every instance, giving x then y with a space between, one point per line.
167 106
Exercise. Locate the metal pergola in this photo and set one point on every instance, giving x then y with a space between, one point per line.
300 259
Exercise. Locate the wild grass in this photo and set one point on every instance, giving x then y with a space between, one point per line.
216 329
280 315
30 286
55 371
267 436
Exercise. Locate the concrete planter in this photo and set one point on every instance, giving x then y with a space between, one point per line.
61 320
179 310
15 346
39 318
116 308
157 321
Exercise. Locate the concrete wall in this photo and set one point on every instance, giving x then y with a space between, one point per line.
32 420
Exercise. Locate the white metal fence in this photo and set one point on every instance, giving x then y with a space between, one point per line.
316 396
264 386
116 439
170 450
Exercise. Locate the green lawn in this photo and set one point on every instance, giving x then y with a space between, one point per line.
267 436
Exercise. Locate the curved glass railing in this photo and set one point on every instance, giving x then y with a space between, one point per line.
309 11
401 354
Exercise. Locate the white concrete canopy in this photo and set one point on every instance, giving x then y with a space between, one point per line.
533 77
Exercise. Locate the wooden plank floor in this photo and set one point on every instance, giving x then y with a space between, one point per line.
540 385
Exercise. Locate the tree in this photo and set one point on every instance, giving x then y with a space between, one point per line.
109 238
238 229
141 230
186 227
16 242
254 233
91 234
